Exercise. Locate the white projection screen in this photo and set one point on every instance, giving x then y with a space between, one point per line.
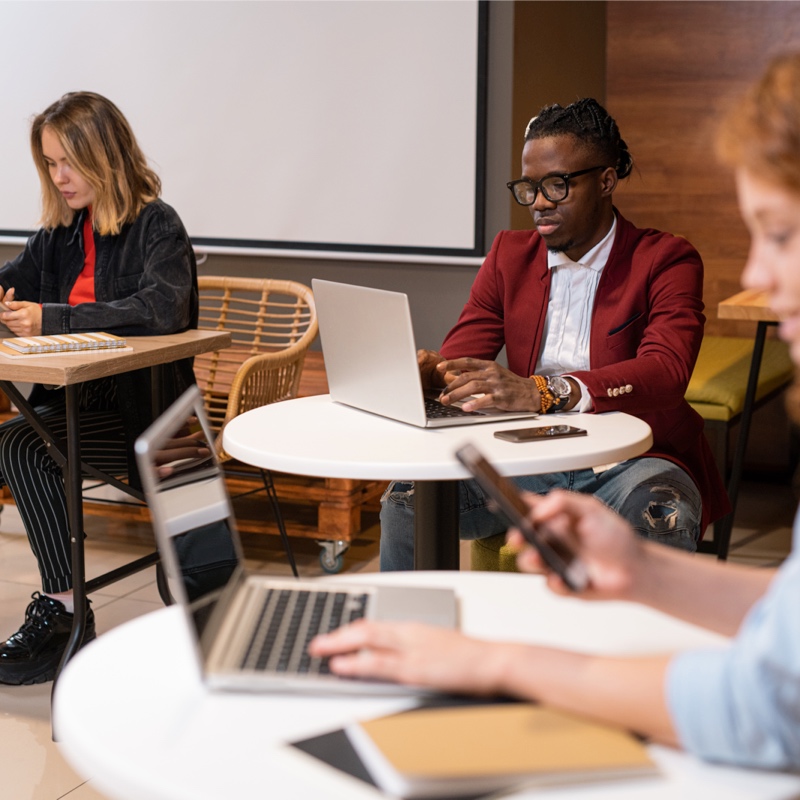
339 125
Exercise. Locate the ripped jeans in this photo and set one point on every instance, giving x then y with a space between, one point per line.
655 496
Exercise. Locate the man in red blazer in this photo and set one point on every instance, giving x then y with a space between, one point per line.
595 315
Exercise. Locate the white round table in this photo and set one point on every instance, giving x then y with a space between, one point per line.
318 437
132 715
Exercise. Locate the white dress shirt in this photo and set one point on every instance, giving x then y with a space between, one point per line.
567 328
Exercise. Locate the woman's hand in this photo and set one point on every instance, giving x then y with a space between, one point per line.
613 555
181 453
415 654
22 318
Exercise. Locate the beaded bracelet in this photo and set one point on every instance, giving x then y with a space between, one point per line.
546 396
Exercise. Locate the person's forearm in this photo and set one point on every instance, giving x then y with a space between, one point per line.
702 591
627 692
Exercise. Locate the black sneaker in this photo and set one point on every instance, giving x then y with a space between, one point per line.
33 653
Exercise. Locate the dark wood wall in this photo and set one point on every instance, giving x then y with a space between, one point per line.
672 68
559 57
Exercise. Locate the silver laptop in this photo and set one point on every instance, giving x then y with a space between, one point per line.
250 631
371 358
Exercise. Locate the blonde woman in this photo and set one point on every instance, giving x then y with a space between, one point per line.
739 705
110 256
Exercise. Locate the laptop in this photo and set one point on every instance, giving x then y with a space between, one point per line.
250 631
371 358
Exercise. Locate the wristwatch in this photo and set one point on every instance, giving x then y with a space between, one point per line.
561 389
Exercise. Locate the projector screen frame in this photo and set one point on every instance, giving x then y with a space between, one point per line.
359 251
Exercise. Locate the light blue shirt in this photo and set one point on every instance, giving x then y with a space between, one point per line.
741 704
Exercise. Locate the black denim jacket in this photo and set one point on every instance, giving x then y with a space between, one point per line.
145 285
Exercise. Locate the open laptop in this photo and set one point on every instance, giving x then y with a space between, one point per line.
371 358
250 631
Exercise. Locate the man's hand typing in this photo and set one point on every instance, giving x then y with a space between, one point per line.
500 387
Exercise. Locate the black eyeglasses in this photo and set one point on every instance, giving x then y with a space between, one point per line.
555 188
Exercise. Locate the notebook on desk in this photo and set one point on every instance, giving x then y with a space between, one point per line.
61 344
371 358
250 632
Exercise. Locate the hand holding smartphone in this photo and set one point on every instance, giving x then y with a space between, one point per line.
554 552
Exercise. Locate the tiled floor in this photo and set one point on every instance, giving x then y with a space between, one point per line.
32 766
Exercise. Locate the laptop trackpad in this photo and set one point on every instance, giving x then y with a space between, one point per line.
432 606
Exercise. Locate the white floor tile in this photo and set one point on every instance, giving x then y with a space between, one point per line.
116 611
33 767
84 792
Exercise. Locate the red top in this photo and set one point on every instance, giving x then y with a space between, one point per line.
83 290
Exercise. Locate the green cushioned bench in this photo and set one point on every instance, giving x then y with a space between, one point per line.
716 391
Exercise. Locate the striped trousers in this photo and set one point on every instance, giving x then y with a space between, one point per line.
36 481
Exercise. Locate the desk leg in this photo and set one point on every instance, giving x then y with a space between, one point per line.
741 443
436 513
157 403
73 482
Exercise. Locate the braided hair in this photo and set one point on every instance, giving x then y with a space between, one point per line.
588 121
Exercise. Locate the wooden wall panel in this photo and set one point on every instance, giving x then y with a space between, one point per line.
559 57
672 68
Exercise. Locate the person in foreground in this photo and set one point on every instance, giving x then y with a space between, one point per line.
595 314
110 256
740 704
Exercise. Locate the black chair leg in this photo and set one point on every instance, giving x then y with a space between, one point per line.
269 487
163 585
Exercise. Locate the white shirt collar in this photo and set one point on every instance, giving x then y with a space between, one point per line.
595 259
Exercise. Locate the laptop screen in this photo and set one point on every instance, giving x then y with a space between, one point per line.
190 507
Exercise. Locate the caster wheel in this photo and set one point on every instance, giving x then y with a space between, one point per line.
330 563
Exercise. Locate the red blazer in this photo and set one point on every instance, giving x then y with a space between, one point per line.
647 325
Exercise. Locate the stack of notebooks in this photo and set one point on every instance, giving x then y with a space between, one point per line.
58 344
475 750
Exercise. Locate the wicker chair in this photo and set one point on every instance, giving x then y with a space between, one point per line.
272 324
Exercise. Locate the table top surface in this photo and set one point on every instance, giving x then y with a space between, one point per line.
748 304
131 712
316 436
66 369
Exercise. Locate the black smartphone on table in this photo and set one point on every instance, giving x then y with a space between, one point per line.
542 433
555 553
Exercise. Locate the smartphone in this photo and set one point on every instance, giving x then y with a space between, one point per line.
554 552
541 434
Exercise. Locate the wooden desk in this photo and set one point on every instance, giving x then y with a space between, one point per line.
140 726
342 442
70 370
746 305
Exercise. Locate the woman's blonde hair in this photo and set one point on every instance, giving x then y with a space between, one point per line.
761 133
101 147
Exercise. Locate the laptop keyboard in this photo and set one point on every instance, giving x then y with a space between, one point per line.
436 410
289 620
